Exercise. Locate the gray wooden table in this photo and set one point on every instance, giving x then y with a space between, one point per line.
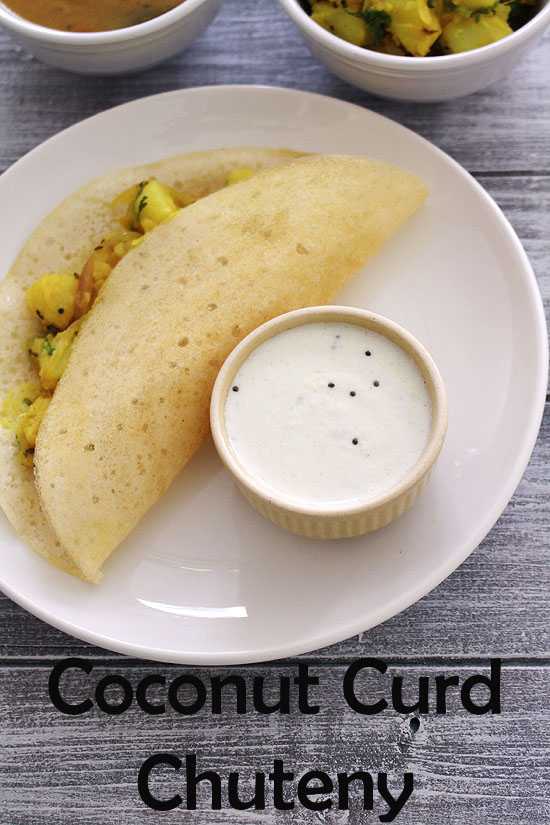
57 769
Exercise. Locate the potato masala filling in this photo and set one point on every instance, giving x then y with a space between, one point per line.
421 28
60 301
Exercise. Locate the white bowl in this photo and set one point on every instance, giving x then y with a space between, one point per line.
118 51
330 519
422 79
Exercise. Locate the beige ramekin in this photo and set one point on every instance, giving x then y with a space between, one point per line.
336 520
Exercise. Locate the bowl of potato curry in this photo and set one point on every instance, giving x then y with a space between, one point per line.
420 50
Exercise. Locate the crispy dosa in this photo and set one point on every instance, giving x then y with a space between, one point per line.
62 243
132 405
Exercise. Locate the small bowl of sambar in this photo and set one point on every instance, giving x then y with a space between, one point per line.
84 38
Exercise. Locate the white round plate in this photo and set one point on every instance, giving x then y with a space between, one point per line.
204 579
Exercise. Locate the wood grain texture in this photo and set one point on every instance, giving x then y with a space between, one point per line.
56 770
489 769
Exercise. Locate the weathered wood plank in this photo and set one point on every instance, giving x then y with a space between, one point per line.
525 200
490 768
255 42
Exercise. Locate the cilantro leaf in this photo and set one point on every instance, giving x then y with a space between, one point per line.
377 21
47 347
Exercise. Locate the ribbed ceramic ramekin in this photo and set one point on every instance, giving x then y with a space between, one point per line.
332 520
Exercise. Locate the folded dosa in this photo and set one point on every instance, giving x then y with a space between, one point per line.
132 405
61 243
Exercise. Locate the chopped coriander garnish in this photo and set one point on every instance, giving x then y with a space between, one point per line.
47 347
377 21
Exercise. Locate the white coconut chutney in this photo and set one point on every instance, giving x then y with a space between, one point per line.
327 412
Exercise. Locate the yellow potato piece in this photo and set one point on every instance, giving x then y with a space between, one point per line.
462 35
54 354
413 24
153 205
341 23
51 298
20 415
30 421
16 402
502 10
237 175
